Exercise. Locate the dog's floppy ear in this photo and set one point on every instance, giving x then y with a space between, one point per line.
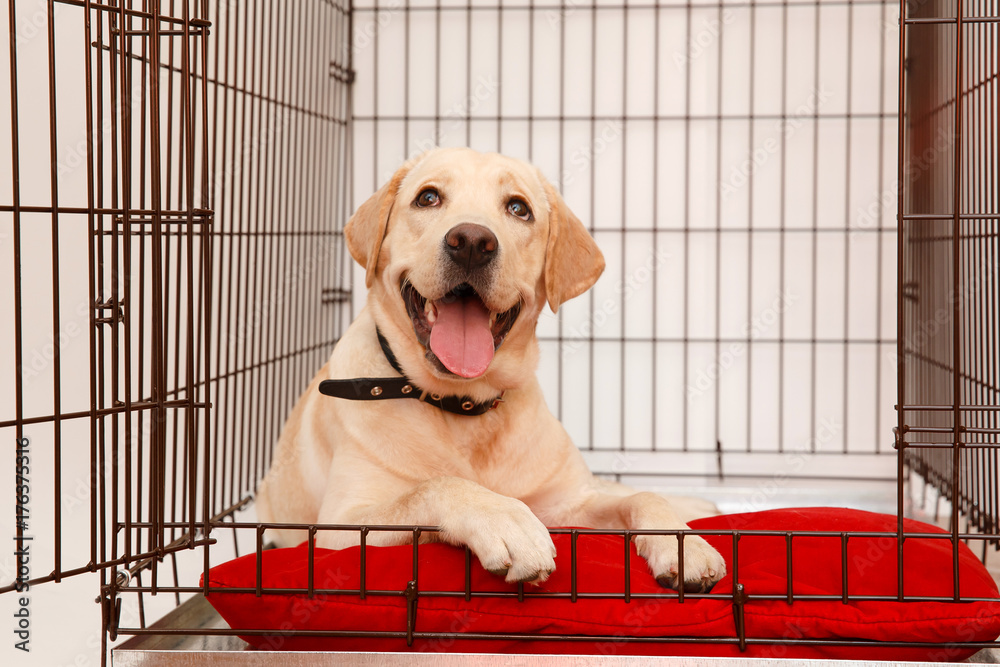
367 227
573 262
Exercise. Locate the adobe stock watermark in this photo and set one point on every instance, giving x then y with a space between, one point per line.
304 608
708 34
919 336
285 289
236 162
72 156
462 621
364 33
85 484
625 289
37 360
22 554
639 615
890 24
29 27
762 497
826 430
583 157
788 125
867 217
752 331
555 17
460 112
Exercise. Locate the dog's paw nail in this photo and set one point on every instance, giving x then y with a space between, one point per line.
500 572
702 586
670 581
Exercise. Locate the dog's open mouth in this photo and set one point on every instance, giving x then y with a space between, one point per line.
458 330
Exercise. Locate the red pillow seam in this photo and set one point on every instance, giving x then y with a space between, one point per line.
920 621
500 615
728 613
753 612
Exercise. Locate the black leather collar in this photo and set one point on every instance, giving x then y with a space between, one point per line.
378 389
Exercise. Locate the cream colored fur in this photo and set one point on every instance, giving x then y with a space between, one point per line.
492 482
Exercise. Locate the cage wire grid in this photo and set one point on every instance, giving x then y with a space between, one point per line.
746 218
205 285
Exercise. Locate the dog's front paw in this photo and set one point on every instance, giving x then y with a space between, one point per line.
703 565
507 538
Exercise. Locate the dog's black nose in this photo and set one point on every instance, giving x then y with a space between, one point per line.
470 246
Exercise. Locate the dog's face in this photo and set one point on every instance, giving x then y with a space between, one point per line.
462 249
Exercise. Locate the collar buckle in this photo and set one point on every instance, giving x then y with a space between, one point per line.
367 389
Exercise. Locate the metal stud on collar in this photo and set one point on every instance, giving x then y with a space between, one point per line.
497 401
406 389
468 405
376 391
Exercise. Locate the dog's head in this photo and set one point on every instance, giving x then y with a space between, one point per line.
461 251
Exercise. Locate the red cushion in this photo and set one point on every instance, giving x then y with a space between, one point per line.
871 570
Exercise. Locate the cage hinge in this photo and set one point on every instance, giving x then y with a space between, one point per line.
341 73
739 599
718 461
331 295
109 311
411 610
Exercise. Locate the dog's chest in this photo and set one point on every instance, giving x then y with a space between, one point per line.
501 462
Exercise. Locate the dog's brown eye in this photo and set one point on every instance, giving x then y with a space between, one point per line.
518 208
428 197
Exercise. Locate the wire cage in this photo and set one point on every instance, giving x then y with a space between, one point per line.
197 161
948 378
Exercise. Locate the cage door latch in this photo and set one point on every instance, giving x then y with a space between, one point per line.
411 610
740 599
111 612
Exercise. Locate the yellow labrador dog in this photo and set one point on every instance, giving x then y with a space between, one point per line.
449 426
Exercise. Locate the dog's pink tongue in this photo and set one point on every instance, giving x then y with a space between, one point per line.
461 336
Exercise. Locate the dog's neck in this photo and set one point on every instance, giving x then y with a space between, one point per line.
369 389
